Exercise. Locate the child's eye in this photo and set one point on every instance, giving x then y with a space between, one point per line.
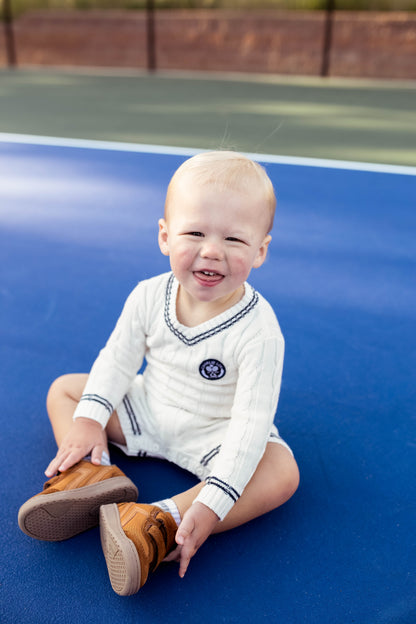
233 239
195 233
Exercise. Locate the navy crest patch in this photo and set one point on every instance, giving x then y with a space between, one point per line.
212 369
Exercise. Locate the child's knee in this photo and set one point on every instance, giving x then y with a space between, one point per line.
292 477
287 480
65 386
57 388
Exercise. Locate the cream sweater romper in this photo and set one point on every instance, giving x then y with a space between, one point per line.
208 395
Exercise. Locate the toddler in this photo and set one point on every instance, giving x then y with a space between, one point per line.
206 400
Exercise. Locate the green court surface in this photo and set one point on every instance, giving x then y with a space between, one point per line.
368 121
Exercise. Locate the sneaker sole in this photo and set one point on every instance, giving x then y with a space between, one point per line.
120 553
60 515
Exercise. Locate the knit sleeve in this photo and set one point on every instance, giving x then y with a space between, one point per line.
255 403
116 365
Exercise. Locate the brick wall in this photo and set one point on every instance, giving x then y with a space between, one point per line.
377 45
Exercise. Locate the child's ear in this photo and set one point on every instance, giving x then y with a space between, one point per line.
262 252
163 237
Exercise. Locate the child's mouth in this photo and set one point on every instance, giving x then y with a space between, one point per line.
209 278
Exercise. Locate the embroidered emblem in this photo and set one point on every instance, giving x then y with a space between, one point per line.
212 369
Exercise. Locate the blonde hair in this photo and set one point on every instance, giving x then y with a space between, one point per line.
226 170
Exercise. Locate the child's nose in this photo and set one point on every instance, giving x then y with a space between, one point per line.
212 250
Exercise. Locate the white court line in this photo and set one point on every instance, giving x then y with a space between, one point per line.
118 146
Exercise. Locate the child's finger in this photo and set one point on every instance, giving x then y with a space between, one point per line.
186 555
70 460
53 467
174 555
184 540
96 454
184 531
187 539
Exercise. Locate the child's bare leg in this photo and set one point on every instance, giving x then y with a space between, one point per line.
274 482
72 504
63 398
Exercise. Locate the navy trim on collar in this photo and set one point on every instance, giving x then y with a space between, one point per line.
213 330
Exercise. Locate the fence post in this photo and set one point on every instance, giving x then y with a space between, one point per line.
150 36
327 43
8 33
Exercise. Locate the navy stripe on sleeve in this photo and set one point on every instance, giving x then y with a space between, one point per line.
230 491
98 399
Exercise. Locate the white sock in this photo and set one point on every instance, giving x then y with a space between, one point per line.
169 505
105 459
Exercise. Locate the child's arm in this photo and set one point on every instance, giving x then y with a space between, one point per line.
113 371
260 363
86 437
117 363
196 526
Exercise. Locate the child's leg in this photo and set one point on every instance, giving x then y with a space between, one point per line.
70 501
136 537
63 397
275 480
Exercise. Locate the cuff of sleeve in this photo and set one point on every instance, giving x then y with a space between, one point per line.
93 411
214 497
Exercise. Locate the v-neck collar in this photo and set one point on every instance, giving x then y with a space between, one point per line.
193 335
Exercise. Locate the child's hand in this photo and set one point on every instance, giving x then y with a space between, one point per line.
85 437
197 524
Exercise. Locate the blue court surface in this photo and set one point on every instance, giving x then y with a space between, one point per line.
78 229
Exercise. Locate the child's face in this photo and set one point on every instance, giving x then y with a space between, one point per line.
213 239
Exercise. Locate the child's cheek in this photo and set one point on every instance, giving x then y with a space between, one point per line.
182 256
241 265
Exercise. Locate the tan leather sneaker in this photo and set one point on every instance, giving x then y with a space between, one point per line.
135 539
70 502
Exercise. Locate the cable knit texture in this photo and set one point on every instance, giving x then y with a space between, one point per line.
213 386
